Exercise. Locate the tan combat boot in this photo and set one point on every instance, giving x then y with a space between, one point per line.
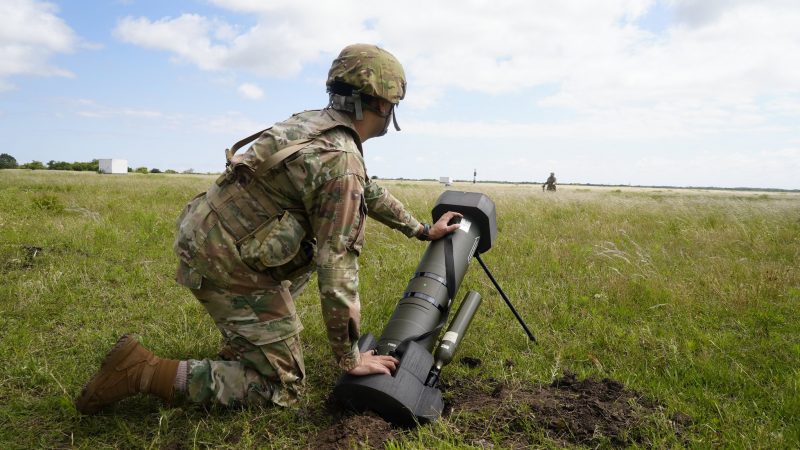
128 369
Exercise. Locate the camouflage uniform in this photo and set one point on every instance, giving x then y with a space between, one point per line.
550 183
248 246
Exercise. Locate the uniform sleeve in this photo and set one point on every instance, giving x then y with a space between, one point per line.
338 217
388 210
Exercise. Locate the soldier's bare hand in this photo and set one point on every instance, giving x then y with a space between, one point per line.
372 364
441 229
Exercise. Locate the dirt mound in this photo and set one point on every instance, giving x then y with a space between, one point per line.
354 431
590 411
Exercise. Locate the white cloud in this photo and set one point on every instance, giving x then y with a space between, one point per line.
634 124
288 36
188 37
30 33
250 91
231 123
124 112
720 65
91 109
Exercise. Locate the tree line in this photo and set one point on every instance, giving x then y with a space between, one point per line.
9 162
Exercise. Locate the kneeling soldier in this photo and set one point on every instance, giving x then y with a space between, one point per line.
296 201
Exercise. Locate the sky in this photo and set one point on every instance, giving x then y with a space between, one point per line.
640 92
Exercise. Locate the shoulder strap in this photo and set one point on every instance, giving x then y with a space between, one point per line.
269 162
229 152
278 157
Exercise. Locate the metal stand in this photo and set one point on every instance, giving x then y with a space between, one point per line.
503 294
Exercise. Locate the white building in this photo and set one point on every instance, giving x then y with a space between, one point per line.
113 165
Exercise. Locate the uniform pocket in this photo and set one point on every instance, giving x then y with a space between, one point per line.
274 243
188 276
356 241
297 266
192 228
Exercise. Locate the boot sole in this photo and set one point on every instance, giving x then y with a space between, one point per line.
117 353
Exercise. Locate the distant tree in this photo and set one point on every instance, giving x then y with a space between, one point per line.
8 162
130 170
154 170
188 171
91 166
374 177
170 171
59 165
141 169
33 165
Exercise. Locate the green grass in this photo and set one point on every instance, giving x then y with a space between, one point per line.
689 297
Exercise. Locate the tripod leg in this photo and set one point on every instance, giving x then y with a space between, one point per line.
508 302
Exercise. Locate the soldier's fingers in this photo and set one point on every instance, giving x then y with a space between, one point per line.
367 369
386 361
446 217
453 227
388 358
442 224
379 368
380 359
388 364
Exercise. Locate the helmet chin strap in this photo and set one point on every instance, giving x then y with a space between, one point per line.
390 117
357 103
394 120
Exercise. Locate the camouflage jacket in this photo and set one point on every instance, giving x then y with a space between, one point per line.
307 212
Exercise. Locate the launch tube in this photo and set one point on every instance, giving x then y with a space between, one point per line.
425 302
404 398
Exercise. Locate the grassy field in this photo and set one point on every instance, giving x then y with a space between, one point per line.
690 298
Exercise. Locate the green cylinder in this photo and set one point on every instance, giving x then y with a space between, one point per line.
458 327
426 303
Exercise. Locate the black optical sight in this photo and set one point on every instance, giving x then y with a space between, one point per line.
411 395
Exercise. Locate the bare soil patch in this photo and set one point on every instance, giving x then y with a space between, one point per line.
354 431
591 412
22 258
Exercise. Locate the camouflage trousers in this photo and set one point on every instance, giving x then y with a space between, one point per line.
261 333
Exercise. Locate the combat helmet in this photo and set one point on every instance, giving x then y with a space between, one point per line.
365 70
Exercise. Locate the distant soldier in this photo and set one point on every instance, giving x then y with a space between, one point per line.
550 184
294 203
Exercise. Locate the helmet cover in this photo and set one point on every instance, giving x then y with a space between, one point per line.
370 70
